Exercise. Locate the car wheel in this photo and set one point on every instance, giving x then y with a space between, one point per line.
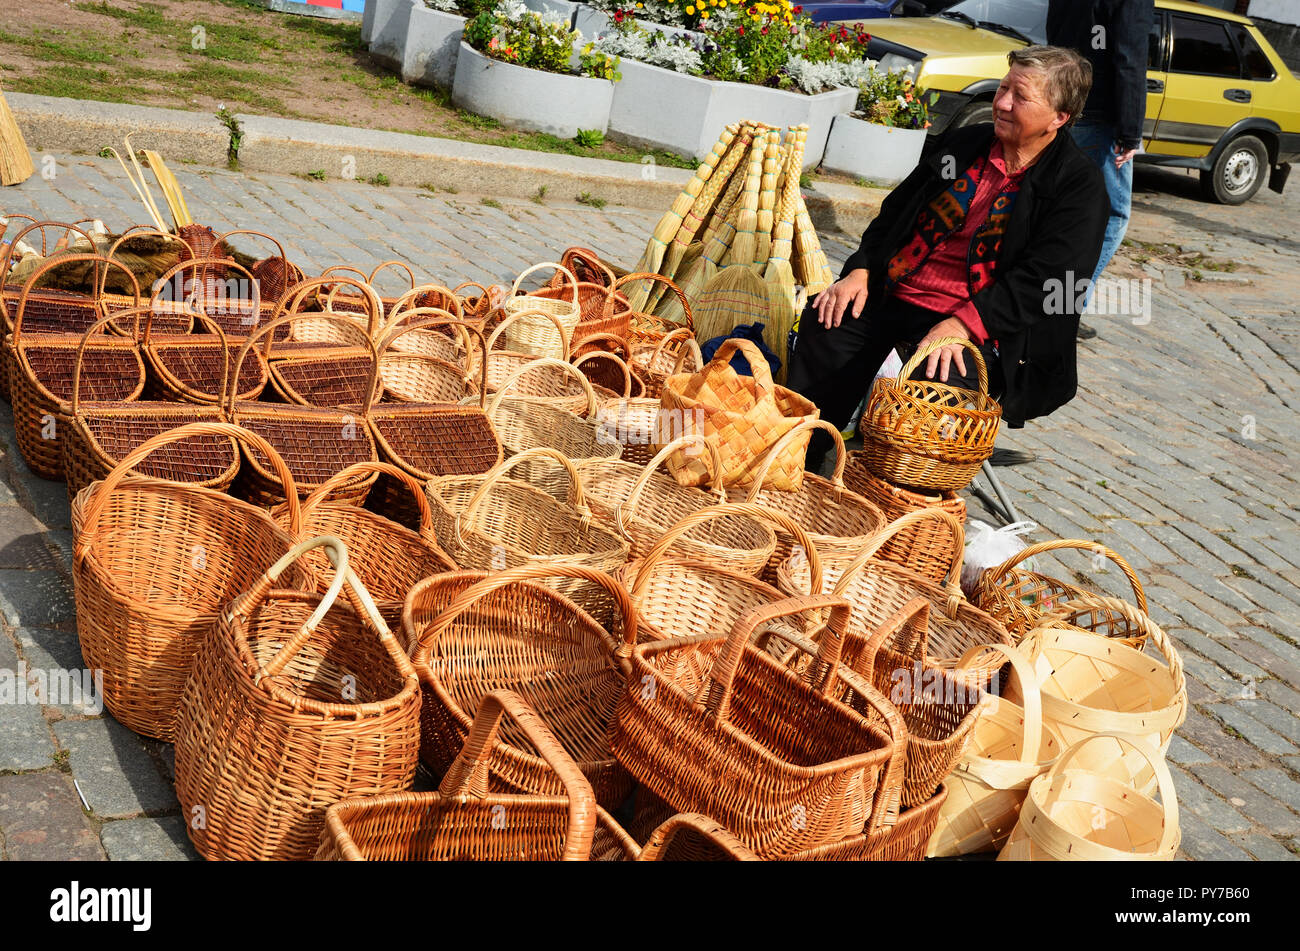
1238 173
973 114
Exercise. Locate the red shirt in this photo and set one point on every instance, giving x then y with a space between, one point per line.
942 284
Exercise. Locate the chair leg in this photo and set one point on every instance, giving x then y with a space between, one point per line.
1001 508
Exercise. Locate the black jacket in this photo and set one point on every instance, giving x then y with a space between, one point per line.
1052 243
1113 35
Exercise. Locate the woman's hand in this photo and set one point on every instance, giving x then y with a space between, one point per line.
848 290
944 357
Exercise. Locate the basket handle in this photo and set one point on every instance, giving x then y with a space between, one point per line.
912 621
993 575
294 297
902 523
495 290
200 266
511 318
714 695
51 263
394 265
627 372
221 240
649 276
576 498
605 343
415 319
1138 619
8 246
587 258
468 775
1032 695
757 365
102 490
419 291
1164 781
770 516
497 580
687 337
540 362
910 367
81 349
701 825
138 231
559 269
774 452
334 482
627 507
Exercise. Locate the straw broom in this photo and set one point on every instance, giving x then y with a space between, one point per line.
15 161
767 199
780 275
667 227
811 269
737 295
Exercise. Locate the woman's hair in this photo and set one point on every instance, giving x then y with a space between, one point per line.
1067 76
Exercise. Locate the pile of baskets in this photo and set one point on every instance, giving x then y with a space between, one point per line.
386 538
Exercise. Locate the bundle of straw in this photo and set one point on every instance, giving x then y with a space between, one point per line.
15 161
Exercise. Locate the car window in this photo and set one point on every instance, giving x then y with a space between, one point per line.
1027 16
1154 58
1203 47
1257 64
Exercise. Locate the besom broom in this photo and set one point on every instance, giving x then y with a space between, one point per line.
15 161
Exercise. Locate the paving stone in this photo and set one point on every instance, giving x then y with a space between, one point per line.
148 840
1263 848
21 543
1202 844
1281 694
36 598
1256 805
1221 654
1277 784
1277 668
1209 736
41 820
1195 798
25 741
1237 716
49 501
49 649
1182 752
116 775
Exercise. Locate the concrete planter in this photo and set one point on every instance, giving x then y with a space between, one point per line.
592 23
432 42
880 153
383 29
530 99
564 9
702 108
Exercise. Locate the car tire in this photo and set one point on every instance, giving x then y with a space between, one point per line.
1238 173
973 114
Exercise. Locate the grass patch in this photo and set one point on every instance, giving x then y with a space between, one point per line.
587 198
589 138
490 202
62 760
477 122
379 178
318 175
539 196
146 16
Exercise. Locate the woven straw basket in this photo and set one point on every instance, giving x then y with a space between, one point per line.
534 333
1076 815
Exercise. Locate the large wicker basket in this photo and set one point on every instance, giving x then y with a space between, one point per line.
534 333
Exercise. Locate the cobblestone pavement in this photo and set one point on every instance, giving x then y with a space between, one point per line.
1178 453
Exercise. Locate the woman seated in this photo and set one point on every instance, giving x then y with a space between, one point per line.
992 239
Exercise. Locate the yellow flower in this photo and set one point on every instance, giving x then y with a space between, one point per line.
704 14
690 11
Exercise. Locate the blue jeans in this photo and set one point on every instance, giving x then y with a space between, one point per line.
1096 140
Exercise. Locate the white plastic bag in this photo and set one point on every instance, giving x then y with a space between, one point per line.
987 547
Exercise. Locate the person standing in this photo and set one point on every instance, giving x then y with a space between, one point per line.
1113 35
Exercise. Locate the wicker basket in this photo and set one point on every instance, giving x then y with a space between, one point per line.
877 589
692 837
450 341
1020 599
204 244
316 443
170 317
479 306
40 373
490 522
1009 748
49 309
426 297
1078 815
747 415
546 383
296 701
714 725
608 374
416 374
366 312
195 368
534 334
638 425
233 300
275 275
1093 684
154 563
465 821
838 521
926 547
652 364
641 503
390 559
469 633
925 434
586 266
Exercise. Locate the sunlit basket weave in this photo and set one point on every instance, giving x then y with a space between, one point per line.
49 309
368 301
1073 814
1020 599
533 333
295 701
692 837
364 309
465 821
316 443
390 559
747 415
1095 684
469 633
234 301
490 522
154 563
717 726
641 503
878 589
40 368
652 364
275 275
425 372
929 435
1009 748
607 372
195 368
100 434
838 521
544 383
926 547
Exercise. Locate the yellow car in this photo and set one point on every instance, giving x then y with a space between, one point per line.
1219 98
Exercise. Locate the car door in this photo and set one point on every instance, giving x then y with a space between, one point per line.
1157 74
1205 91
